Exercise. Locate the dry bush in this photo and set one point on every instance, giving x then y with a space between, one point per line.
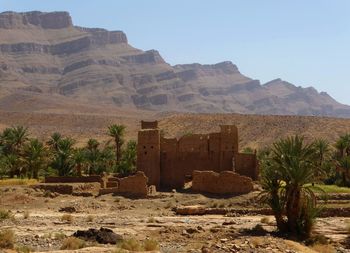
324 248
90 218
67 218
4 214
150 245
59 236
265 220
151 220
221 205
72 243
7 239
24 249
131 244
26 215
256 241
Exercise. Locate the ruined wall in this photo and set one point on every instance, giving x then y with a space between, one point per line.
134 185
148 155
225 182
247 165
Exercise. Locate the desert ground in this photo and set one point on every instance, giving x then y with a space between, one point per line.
40 221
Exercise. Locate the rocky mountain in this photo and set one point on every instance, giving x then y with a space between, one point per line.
46 62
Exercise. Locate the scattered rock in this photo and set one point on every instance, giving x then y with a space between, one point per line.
102 236
190 210
68 209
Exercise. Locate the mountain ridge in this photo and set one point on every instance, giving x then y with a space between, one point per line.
45 54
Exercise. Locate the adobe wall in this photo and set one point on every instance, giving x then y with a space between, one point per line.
167 162
247 165
148 155
225 182
134 185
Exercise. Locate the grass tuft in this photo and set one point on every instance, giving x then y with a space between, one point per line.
67 218
322 188
7 239
5 214
24 249
73 243
90 218
150 245
132 244
17 181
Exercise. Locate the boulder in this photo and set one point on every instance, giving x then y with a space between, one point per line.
102 236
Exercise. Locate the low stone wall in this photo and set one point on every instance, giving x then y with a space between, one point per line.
77 189
58 188
227 182
85 179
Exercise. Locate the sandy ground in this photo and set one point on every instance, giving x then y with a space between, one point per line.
152 218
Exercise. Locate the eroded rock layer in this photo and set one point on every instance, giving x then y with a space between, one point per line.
44 53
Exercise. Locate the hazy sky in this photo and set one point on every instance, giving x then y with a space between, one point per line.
305 42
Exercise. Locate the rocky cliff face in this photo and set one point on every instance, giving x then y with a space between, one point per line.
44 53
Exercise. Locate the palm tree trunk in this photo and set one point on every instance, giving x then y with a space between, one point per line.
292 209
79 169
117 153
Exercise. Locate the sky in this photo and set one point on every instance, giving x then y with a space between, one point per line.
305 42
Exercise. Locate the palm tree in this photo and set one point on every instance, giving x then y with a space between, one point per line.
19 135
79 158
127 163
343 167
285 175
343 145
117 132
63 157
54 140
92 156
34 156
323 154
10 165
12 141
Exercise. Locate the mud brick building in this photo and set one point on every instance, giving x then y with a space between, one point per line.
167 162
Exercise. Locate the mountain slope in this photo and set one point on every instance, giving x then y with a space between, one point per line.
43 55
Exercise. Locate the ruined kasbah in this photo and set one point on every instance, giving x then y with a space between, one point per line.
212 161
